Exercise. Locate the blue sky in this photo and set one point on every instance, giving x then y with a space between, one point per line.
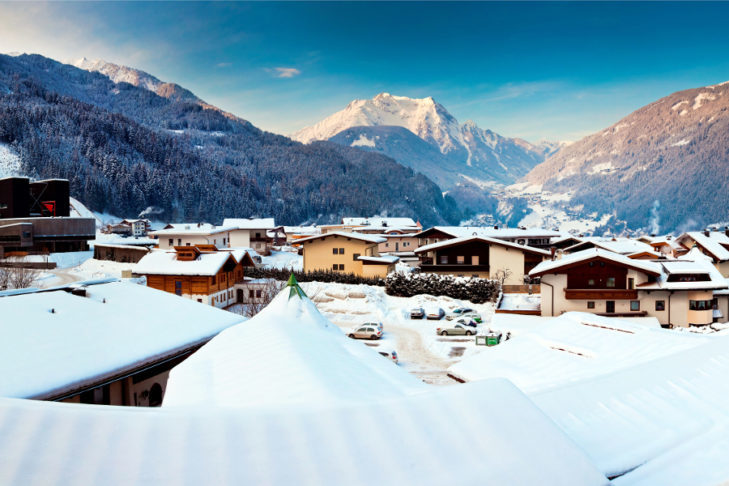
554 71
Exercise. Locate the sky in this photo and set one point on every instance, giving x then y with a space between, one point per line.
540 71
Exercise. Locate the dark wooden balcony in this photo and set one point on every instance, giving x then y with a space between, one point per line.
601 294
453 267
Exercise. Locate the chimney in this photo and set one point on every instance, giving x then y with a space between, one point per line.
553 251
496 226
726 230
707 232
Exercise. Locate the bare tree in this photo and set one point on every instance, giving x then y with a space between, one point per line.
23 277
501 275
263 296
4 277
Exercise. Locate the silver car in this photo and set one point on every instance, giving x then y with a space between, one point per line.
458 329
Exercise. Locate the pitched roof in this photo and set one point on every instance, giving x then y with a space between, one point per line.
623 246
191 229
54 341
552 266
462 231
354 236
490 241
165 262
714 243
250 223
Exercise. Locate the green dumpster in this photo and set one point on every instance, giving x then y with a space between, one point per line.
493 338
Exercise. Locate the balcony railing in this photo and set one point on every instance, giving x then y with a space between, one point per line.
601 294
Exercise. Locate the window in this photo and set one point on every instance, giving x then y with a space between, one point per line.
250 293
634 305
591 283
335 251
611 282
199 300
187 244
223 241
178 287
474 259
660 305
341 251
179 241
258 235
631 283
460 260
700 305
591 304
387 245
171 242
610 306
443 260
258 293
355 256
213 282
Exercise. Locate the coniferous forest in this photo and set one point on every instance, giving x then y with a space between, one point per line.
126 149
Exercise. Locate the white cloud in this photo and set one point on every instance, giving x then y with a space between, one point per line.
285 72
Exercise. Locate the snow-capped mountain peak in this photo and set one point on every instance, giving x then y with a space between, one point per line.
479 154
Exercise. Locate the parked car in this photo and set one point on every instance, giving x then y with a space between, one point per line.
378 325
366 331
458 312
467 321
435 313
417 313
388 353
474 317
455 330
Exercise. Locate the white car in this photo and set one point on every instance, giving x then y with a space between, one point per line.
458 312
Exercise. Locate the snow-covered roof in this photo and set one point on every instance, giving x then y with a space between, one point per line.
472 434
664 421
623 246
570 348
192 229
250 223
287 353
55 341
693 263
551 266
165 262
355 236
714 243
491 241
384 259
381 222
461 231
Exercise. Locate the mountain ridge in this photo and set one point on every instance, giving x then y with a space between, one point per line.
470 152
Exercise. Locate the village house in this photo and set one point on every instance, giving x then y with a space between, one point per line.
623 246
99 342
120 253
190 234
353 253
676 292
533 237
714 244
375 225
201 273
476 256
260 234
